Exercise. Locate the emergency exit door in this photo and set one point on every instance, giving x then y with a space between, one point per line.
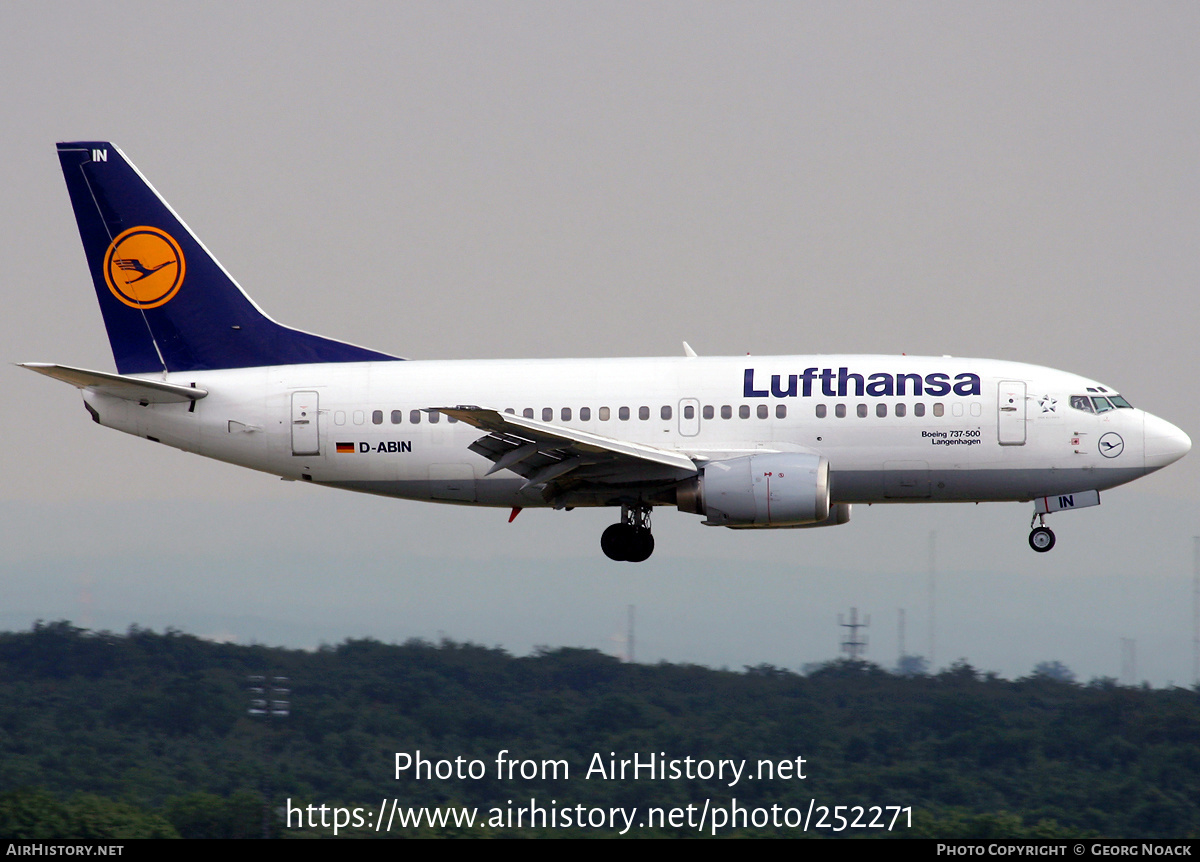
306 433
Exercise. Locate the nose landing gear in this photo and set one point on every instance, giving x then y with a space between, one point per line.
1041 537
629 540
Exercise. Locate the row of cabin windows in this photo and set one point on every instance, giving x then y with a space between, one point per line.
708 411
900 409
665 412
604 414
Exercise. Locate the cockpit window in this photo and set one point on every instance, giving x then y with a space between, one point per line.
1098 403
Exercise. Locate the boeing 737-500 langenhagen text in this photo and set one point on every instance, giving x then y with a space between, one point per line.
747 442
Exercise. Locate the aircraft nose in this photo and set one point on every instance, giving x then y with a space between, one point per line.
1165 444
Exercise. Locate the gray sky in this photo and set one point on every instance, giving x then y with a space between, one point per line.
444 180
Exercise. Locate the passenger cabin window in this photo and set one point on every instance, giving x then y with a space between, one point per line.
510 410
643 413
919 409
665 412
781 411
623 414
821 411
414 417
901 409
689 412
527 412
744 411
726 411
708 411
566 414
397 417
434 417
339 417
604 414
862 411
762 411
377 417
840 411
585 414
939 409
547 414
881 410
359 417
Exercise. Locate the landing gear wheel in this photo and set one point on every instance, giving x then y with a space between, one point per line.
641 546
1041 539
630 540
615 543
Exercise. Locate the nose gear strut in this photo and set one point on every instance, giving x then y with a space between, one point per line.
1041 538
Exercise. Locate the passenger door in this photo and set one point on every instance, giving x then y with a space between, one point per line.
1011 412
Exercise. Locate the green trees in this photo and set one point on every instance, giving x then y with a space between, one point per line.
148 733
32 813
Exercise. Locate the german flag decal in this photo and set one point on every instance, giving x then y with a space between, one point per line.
345 448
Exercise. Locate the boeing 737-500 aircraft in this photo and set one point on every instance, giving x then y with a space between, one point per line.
749 443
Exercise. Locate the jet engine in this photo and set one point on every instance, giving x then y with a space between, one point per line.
789 489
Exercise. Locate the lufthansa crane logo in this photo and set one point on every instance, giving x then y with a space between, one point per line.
1111 445
144 267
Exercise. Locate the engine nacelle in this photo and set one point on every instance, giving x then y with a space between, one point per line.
839 513
789 489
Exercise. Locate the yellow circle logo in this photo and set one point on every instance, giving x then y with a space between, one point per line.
144 267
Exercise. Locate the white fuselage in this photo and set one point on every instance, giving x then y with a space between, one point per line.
893 428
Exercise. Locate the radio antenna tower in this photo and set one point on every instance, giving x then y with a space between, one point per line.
1128 661
629 638
1196 611
854 646
932 595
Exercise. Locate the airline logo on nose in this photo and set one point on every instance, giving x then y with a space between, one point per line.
1111 445
144 267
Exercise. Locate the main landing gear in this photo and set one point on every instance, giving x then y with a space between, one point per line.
630 540
1041 537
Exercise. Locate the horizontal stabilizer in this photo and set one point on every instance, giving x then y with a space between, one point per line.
118 385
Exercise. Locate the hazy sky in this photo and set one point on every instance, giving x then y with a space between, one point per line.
437 180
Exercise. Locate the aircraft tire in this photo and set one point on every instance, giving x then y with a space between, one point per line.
1041 539
615 543
641 547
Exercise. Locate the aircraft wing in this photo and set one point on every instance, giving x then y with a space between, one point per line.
546 454
119 385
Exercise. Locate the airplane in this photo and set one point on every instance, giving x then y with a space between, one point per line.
763 442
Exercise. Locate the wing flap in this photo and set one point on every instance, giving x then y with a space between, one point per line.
119 385
544 453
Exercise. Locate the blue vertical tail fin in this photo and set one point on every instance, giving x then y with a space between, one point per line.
167 303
